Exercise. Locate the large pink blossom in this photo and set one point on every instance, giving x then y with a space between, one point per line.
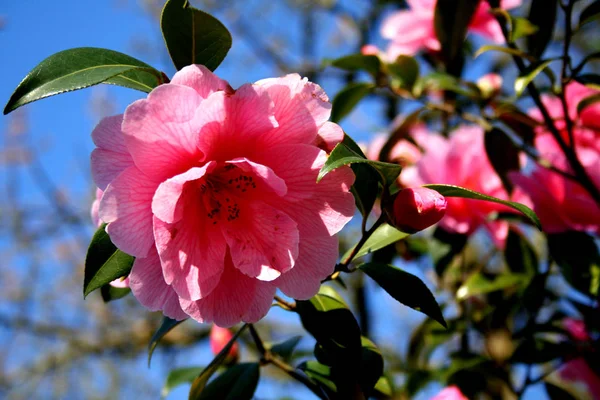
461 160
450 393
214 191
561 203
579 377
412 30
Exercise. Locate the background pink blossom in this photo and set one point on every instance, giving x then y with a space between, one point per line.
214 192
450 393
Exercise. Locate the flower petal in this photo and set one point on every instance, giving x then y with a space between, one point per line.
266 174
329 136
201 79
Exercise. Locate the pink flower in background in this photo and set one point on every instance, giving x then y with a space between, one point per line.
577 375
576 328
461 160
450 393
418 208
214 192
561 203
218 338
412 30
403 152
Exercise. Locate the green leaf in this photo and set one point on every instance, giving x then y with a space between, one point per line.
519 122
503 155
589 80
382 237
542 13
371 366
200 382
236 383
502 49
347 98
457 191
383 388
590 13
319 373
357 62
478 284
540 351
365 188
530 73
104 262
286 348
521 27
110 293
442 81
587 101
341 155
451 20
404 72
193 36
519 254
80 68
399 133
405 288
178 377
167 326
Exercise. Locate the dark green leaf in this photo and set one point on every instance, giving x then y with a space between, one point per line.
519 254
588 101
371 366
382 237
557 393
590 80
542 13
478 284
521 27
590 13
193 36
179 376
383 388
104 262
451 20
80 68
531 72
399 133
456 191
503 155
200 382
502 49
519 122
286 348
342 155
442 81
405 288
356 62
404 72
167 326
365 188
539 351
110 293
347 98
319 373
236 383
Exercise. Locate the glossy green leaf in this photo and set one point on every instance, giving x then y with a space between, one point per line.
503 155
590 13
519 254
110 293
457 191
341 155
405 288
502 49
80 68
542 13
382 237
358 62
236 383
200 382
383 388
519 122
319 373
104 262
588 101
521 27
193 36
286 349
441 81
478 284
344 102
165 327
371 365
178 377
451 20
531 73
404 72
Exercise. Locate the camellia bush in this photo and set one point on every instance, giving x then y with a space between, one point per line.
217 203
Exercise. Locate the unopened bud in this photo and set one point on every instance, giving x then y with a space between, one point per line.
369 50
219 337
490 84
418 208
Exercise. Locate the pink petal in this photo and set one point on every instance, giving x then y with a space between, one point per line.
266 174
235 298
316 260
126 207
263 299
149 287
263 242
329 136
164 203
111 157
201 79
301 108
161 132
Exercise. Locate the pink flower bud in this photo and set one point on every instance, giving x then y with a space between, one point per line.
450 393
369 50
576 328
418 208
219 337
489 84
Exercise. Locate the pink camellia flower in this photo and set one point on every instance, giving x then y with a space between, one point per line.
214 191
218 338
450 393
561 203
412 30
576 329
580 378
418 208
461 160
403 152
